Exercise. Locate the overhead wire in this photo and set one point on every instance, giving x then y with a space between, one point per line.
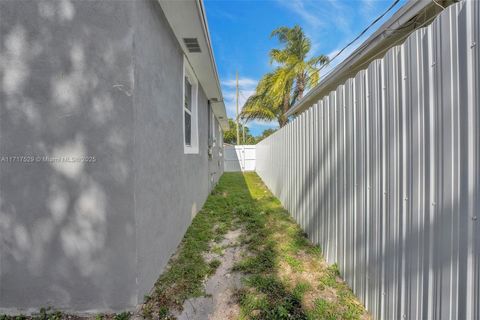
410 23
394 3
363 32
438 4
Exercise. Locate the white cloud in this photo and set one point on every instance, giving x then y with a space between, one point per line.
263 124
247 88
370 4
242 82
300 8
332 54
322 14
222 14
348 51
368 7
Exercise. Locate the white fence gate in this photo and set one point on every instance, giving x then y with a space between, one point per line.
240 158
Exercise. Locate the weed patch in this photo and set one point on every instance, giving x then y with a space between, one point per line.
286 276
50 313
228 207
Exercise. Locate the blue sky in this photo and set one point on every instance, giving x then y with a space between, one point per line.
240 32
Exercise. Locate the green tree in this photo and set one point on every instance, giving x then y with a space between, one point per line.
266 133
278 91
230 136
269 100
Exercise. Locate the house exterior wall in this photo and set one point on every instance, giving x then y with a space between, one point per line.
98 79
170 186
67 230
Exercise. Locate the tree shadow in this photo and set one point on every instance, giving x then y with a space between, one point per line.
67 230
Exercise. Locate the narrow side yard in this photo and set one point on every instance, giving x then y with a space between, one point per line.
243 257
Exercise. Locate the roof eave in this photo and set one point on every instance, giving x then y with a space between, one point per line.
188 20
216 104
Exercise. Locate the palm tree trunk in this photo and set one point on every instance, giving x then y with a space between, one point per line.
300 86
286 106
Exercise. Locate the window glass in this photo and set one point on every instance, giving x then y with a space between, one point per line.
188 94
188 129
214 127
190 110
209 124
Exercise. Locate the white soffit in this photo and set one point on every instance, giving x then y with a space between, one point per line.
188 21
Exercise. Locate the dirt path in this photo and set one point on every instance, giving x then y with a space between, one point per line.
219 302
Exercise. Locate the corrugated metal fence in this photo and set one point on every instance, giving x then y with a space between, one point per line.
383 173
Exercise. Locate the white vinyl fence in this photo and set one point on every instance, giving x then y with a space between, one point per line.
384 174
239 158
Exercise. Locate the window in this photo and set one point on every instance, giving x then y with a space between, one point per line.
210 138
214 127
190 109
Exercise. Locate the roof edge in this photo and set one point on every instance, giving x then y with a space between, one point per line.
222 118
188 19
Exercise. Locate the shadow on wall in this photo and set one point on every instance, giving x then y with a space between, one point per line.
66 90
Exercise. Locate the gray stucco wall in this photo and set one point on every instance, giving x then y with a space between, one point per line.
170 186
67 230
100 79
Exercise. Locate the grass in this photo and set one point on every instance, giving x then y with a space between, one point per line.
287 277
225 209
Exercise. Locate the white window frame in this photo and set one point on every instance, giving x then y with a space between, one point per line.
188 73
214 129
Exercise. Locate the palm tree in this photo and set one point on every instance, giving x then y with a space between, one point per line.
278 91
270 100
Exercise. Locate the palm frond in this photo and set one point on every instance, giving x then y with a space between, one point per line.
318 61
278 90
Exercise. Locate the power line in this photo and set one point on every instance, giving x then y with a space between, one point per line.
363 32
241 93
438 4
359 36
